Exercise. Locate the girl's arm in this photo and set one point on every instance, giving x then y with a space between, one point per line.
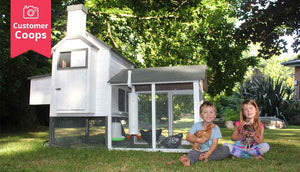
236 135
259 138
192 138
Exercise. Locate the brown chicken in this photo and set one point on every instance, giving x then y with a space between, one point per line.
248 140
203 134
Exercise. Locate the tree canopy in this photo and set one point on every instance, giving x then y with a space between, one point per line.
169 33
266 21
157 33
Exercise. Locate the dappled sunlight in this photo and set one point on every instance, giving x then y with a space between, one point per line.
287 142
187 118
12 148
15 138
22 145
39 134
225 140
79 131
26 152
182 125
288 136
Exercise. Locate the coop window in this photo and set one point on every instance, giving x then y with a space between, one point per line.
73 59
122 100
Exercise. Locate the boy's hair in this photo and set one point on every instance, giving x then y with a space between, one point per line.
207 104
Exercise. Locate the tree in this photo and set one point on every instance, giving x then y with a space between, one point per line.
14 84
169 33
59 18
273 68
265 21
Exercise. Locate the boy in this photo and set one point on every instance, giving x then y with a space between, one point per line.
207 149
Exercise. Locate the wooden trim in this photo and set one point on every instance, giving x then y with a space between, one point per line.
160 87
153 89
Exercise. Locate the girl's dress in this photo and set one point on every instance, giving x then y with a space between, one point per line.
240 150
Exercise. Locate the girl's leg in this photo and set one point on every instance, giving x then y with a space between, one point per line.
220 153
230 146
259 149
264 148
237 151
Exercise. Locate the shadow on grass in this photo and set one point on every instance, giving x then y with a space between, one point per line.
279 158
31 155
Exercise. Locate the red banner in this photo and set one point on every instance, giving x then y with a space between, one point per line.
30 27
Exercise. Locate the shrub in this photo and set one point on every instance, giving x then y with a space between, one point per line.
228 107
269 94
230 114
291 109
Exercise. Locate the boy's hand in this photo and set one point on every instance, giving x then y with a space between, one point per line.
203 156
202 140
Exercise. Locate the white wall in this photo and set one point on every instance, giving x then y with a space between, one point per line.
103 63
102 87
116 65
85 109
40 90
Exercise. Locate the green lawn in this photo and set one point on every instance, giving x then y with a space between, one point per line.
25 152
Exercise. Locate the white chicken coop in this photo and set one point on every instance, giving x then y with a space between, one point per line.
94 88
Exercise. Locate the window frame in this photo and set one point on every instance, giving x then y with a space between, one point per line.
69 63
124 101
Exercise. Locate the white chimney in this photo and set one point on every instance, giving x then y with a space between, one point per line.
76 20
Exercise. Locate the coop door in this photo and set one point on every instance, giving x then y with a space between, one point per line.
71 82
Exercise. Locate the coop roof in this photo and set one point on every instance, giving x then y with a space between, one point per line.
292 63
174 74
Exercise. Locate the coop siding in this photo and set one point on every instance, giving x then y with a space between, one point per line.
40 91
70 45
115 66
114 101
93 74
102 88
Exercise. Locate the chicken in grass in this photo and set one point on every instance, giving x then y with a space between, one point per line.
147 135
172 141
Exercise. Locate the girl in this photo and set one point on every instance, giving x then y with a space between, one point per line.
249 115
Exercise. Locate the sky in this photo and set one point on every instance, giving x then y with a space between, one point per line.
290 52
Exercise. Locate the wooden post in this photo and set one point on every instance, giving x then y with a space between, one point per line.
201 95
170 113
106 131
196 101
109 121
87 130
153 116
52 131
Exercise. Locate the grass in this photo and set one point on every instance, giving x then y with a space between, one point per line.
25 151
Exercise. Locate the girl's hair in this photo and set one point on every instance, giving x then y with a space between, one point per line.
256 120
207 104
